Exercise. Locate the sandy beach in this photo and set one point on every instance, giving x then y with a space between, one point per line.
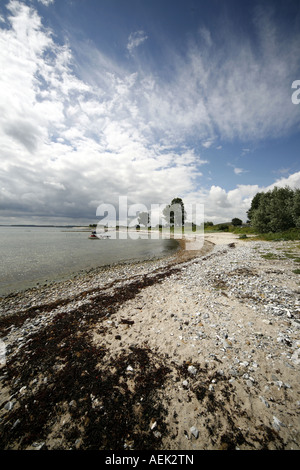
196 351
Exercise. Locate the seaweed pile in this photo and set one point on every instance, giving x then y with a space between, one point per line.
63 386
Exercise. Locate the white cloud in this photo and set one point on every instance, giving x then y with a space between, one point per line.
207 143
135 40
293 181
206 36
232 91
56 184
221 205
68 145
225 93
235 90
236 170
218 197
239 171
46 2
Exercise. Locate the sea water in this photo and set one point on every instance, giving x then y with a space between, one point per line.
31 255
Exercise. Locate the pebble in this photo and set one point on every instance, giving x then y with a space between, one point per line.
153 424
192 370
277 424
194 431
9 406
264 401
38 445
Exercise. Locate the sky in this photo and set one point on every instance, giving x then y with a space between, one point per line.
148 99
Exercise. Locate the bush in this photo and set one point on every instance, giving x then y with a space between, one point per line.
208 224
223 227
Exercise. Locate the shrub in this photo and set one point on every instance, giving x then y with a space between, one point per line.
223 227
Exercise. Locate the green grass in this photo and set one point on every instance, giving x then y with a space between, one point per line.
229 228
289 255
290 252
296 271
292 234
242 230
270 256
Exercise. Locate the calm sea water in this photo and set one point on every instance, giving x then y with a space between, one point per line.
31 255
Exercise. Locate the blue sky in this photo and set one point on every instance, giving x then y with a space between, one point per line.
145 99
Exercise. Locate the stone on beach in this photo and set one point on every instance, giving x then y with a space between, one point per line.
192 370
194 431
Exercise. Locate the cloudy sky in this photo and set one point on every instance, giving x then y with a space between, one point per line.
150 99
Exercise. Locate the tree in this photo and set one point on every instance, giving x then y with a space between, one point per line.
208 224
236 222
223 227
144 218
296 208
275 210
254 205
281 205
174 213
260 217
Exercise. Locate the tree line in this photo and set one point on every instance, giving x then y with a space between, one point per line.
174 214
276 210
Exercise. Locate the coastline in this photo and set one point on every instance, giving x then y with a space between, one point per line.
198 350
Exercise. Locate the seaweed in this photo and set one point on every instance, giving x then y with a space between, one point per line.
60 367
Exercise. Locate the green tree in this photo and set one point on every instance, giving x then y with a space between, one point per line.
236 222
208 224
281 207
144 218
296 208
260 217
174 213
274 211
254 205
223 227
